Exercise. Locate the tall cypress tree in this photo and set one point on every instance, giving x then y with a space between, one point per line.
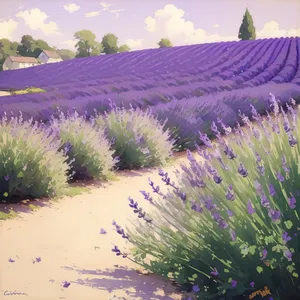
247 29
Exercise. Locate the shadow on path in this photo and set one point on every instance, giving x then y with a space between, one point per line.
121 278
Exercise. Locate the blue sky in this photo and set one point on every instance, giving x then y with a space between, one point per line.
141 24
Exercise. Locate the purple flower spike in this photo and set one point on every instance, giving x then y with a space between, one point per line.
274 214
6 178
11 260
232 234
288 255
272 190
36 260
233 283
66 284
280 177
196 288
250 208
230 213
242 170
102 231
286 237
292 202
252 284
264 254
214 272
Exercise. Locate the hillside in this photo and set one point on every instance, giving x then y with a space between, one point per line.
154 76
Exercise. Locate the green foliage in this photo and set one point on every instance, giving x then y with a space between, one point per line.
230 224
110 43
87 147
165 43
86 44
123 48
28 91
7 48
66 54
31 165
247 29
139 139
32 48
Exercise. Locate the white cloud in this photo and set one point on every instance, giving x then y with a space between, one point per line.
70 44
70 8
105 5
216 26
272 30
116 11
169 22
92 14
7 28
35 19
134 44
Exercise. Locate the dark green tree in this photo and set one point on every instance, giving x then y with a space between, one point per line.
7 48
247 29
164 43
124 48
110 43
86 44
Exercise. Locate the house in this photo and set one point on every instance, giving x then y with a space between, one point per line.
49 57
19 62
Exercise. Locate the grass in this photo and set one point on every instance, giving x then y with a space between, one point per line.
29 90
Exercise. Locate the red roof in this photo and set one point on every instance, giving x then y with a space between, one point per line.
51 54
23 59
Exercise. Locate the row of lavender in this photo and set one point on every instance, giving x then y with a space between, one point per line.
226 67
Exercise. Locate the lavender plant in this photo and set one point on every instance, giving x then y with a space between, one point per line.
230 223
139 138
31 165
89 152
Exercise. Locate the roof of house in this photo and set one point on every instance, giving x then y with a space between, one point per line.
51 54
23 59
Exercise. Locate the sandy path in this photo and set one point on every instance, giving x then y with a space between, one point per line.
2 93
66 237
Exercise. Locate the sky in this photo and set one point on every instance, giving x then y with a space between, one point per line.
142 23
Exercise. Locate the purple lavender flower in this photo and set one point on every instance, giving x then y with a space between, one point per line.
250 208
196 288
280 177
292 202
258 158
229 152
222 223
230 213
288 255
11 260
116 250
252 284
102 231
274 214
230 194
218 179
232 234
132 204
233 283
120 230
36 260
261 169
264 200
264 254
205 139
196 207
6 178
147 196
272 190
292 140
214 272
242 170
286 237
66 284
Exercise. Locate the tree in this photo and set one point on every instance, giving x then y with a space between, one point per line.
164 43
25 49
86 44
247 29
66 54
110 43
124 48
7 48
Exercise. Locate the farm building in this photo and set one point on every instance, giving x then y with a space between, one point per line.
49 57
19 62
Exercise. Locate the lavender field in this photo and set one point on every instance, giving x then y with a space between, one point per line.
211 74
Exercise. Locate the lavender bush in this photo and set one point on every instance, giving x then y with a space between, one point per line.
31 165
89 152
139 138
230 224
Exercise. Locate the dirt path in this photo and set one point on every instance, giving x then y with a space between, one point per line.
2 93
66 238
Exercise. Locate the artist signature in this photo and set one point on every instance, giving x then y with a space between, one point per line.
14 293
266 291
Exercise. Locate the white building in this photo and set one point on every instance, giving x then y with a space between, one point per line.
19 62
49 57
